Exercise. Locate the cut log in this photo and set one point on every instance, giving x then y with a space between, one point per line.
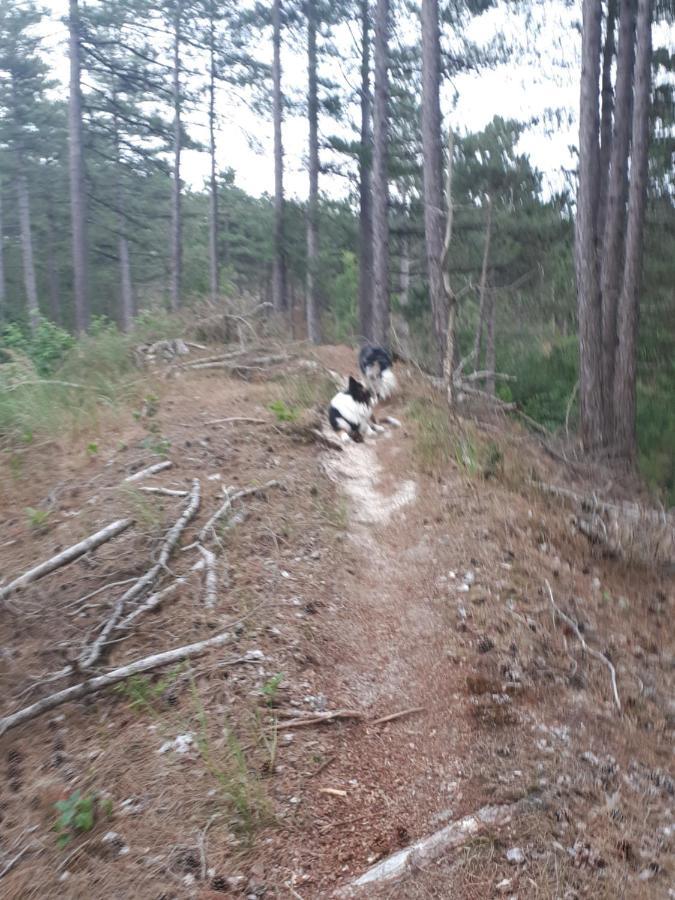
150 470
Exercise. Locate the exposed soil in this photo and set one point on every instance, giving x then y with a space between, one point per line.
380 579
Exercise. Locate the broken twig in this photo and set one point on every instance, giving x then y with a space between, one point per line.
398 715
322 717
220 512
590 650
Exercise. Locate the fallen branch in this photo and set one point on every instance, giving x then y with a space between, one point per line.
92 685
165 492
210 578
151 470
145 582
398 715
14 860
322 717
152 602
237 419
238 495
590 650
66 556
483 395
405 861
483 375
46 381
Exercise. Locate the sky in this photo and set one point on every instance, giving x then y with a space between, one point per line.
542 77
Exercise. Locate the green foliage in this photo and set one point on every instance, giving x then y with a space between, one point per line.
46 348
271 688
76 815
142 691
545 379
341 320
283 411
37 518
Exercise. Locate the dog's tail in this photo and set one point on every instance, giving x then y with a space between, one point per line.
387 385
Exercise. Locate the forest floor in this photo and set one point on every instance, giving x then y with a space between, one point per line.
405 575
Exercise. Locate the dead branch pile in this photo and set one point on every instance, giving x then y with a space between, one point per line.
624 529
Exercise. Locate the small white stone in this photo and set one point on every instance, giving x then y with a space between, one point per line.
515 856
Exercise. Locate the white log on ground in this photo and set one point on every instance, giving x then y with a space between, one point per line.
238 495
424 851
65 556
91 655
210 578
164 492
150 470
92 685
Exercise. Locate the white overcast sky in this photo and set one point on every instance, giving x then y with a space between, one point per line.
542 76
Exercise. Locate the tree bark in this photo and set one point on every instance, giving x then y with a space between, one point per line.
52 268
126 308
404 273
3 289
481 288
76 165
617 195
451 350
176 267
23 204
627 325
380 322
608 51
279 298
214 262
365 185
313 313
588 289
433 171
490 343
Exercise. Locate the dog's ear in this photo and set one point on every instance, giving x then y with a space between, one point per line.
353 386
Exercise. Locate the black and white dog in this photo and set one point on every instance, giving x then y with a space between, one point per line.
351 412
376 364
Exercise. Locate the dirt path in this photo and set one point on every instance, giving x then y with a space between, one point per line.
391 576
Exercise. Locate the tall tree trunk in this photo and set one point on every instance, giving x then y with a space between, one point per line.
313 314
451 349
23 204
279 298
380 322
176 264
126 304
404 273
588 289
490 343
433 171
627 326
482 285
52 268
617 196
607 109
76 164
214 262
365 185
3 289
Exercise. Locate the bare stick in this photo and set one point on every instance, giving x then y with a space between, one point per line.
166 492
210 578
317 720
145 582
65 384
220 512
66 556
399 864
14 860
153 601
92 685
483 375
398 715
596 653
151 470
237 419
